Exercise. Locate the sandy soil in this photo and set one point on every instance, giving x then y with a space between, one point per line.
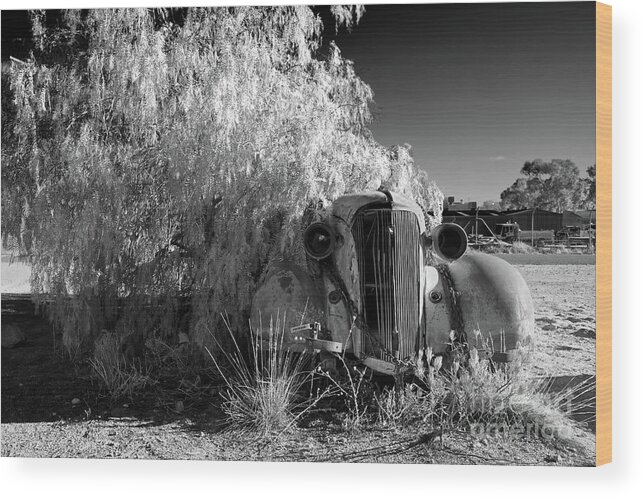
129 437
565 307
39 418
549 259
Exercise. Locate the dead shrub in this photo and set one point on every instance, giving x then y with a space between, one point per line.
118 377
264 391
352 384
484 398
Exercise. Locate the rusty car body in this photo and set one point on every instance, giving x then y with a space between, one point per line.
380 288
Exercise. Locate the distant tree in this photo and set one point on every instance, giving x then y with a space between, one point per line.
522 194
589 201
555 185
160 154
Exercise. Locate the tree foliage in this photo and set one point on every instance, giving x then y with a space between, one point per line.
156 155
555 185
590 182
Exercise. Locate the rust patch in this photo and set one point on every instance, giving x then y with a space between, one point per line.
286 283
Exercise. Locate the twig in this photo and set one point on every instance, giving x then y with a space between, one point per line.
393 448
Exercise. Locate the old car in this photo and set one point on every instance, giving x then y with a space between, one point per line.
379 287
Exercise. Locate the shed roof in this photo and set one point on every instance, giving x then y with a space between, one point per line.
537 210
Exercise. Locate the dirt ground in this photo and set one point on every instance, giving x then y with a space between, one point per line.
565 308
39 418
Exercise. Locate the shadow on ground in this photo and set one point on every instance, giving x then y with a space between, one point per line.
578 397
40 383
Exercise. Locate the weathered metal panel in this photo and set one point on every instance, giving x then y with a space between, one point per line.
346 207
495 301
290 295
436 324
344 265
495 305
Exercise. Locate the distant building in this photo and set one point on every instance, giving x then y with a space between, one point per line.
451 205
542 219
465 214
491 205
485 219
579 218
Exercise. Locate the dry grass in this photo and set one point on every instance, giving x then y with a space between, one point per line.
352 385
517 247
520 247
118 377
483 398
264 392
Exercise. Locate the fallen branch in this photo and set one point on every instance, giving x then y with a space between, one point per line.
391 448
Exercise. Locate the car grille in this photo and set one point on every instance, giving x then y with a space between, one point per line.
389 259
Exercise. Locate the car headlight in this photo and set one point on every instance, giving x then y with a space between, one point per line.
319 240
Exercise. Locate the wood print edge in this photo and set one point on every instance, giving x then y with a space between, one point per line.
603 233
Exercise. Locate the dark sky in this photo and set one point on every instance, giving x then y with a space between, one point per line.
476 89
